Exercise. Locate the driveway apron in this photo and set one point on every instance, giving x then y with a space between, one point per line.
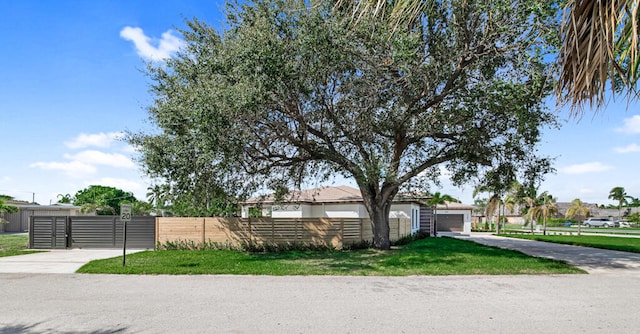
55 261
592 260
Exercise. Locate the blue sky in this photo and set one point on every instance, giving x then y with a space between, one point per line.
71 80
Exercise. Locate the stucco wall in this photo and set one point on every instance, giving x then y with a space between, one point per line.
331 210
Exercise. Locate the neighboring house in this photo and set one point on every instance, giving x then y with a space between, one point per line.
346 202
19 221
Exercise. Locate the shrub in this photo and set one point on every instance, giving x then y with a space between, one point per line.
409 239
266 247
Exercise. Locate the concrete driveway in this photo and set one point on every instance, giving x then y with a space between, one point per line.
593 260
63 261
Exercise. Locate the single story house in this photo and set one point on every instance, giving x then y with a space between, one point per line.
346 202
19 221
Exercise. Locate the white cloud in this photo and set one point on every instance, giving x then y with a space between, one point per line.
631 148
130 149
589 167
152 49
72 168
93 157
631 125
98 139
5 179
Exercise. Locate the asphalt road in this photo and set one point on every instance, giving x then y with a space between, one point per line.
604 301
72 303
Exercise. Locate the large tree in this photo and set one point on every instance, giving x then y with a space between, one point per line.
291 92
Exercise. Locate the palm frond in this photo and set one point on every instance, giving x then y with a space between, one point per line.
401 12
597 37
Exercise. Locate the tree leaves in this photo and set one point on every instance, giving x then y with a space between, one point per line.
291 93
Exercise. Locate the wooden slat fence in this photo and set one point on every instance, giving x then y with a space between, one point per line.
334 232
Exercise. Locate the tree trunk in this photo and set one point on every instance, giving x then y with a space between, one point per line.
378 204
435 220
380 225
579 223
498 224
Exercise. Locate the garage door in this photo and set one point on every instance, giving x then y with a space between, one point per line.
450 223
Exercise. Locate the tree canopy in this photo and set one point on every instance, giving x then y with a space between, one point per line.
291 92
6 208
102 199
599 44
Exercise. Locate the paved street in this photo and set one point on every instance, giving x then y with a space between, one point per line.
55 303
605 301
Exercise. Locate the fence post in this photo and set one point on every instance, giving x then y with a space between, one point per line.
341 233
204 229
155 243
250 233
273 231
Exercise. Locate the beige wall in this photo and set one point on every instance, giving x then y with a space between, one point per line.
334 232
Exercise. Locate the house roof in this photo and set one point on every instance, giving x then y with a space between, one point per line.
326 194
454 206
51 207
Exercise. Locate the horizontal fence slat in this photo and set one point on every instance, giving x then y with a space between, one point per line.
334 232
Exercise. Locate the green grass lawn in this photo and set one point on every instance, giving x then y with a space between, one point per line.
430 256
615 243
14 244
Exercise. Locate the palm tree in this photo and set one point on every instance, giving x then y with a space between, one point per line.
599 44
544 207
64 198
492 204
577 210
156 195
439 199
530 202
479 208
620 195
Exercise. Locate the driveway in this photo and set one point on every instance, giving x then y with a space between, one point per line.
593 260
65 261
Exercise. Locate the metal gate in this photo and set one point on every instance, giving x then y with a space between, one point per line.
49 232
91 232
